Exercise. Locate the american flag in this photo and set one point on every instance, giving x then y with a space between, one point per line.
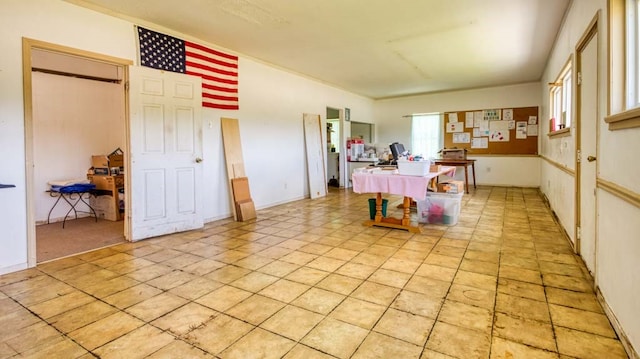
219 71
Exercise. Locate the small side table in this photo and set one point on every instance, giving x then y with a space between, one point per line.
463 163
73 196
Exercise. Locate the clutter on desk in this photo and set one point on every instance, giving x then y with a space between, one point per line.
453 153
451 186
106 173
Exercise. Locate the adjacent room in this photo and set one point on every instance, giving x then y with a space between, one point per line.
277 179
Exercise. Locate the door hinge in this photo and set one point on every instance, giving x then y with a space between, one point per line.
579 78
579 156
126 86
578 232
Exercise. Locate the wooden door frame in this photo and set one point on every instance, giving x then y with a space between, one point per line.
590 34
27 46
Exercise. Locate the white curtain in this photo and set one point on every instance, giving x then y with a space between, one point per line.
426 134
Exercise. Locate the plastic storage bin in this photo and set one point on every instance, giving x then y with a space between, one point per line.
414 168
440 208
372 207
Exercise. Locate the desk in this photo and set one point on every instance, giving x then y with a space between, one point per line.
73 196
463 163
407 186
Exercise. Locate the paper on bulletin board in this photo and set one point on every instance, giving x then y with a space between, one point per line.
453 117
483 128
462 137
492 115
521 130
477 116
498 131
468 119
507 114
512 124
480 142
533 120
455 127
532 130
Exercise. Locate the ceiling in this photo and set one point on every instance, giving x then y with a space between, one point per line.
375 48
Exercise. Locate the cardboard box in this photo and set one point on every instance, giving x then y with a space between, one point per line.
108 183
116 161
451 186
435 168
103 182
454 154
106 207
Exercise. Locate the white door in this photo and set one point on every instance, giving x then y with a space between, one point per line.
588 113
315 156
166 151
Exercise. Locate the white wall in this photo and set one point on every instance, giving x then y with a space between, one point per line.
617 239
271 106
391 126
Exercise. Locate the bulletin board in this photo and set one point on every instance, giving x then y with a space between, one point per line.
499 131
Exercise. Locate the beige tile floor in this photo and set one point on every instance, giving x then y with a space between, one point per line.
307 280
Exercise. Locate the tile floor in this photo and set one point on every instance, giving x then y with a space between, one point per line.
307 280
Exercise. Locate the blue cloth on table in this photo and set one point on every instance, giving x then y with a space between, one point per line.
74 188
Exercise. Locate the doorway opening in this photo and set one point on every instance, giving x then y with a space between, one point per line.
333 147
75 107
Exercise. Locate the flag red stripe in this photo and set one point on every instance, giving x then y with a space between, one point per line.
213 61
218 97
218 88
219 106
212 78
211 51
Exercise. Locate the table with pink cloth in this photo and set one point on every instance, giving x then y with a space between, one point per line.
407 186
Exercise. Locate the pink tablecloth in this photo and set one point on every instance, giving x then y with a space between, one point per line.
408 186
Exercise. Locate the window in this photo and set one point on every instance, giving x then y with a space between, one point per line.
426 134
560 98
624 60
633 70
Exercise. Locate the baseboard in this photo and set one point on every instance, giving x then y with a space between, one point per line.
13 268
628 347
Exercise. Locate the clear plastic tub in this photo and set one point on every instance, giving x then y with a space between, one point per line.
440 208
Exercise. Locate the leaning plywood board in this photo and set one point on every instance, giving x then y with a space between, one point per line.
315 156
232 155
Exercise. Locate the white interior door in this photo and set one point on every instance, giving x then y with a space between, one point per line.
315 156
166 151
588 93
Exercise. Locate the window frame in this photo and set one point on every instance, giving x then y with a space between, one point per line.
624 65
561 100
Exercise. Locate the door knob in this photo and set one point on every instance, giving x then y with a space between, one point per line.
198 159
591 158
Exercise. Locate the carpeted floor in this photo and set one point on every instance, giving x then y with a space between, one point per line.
77 236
